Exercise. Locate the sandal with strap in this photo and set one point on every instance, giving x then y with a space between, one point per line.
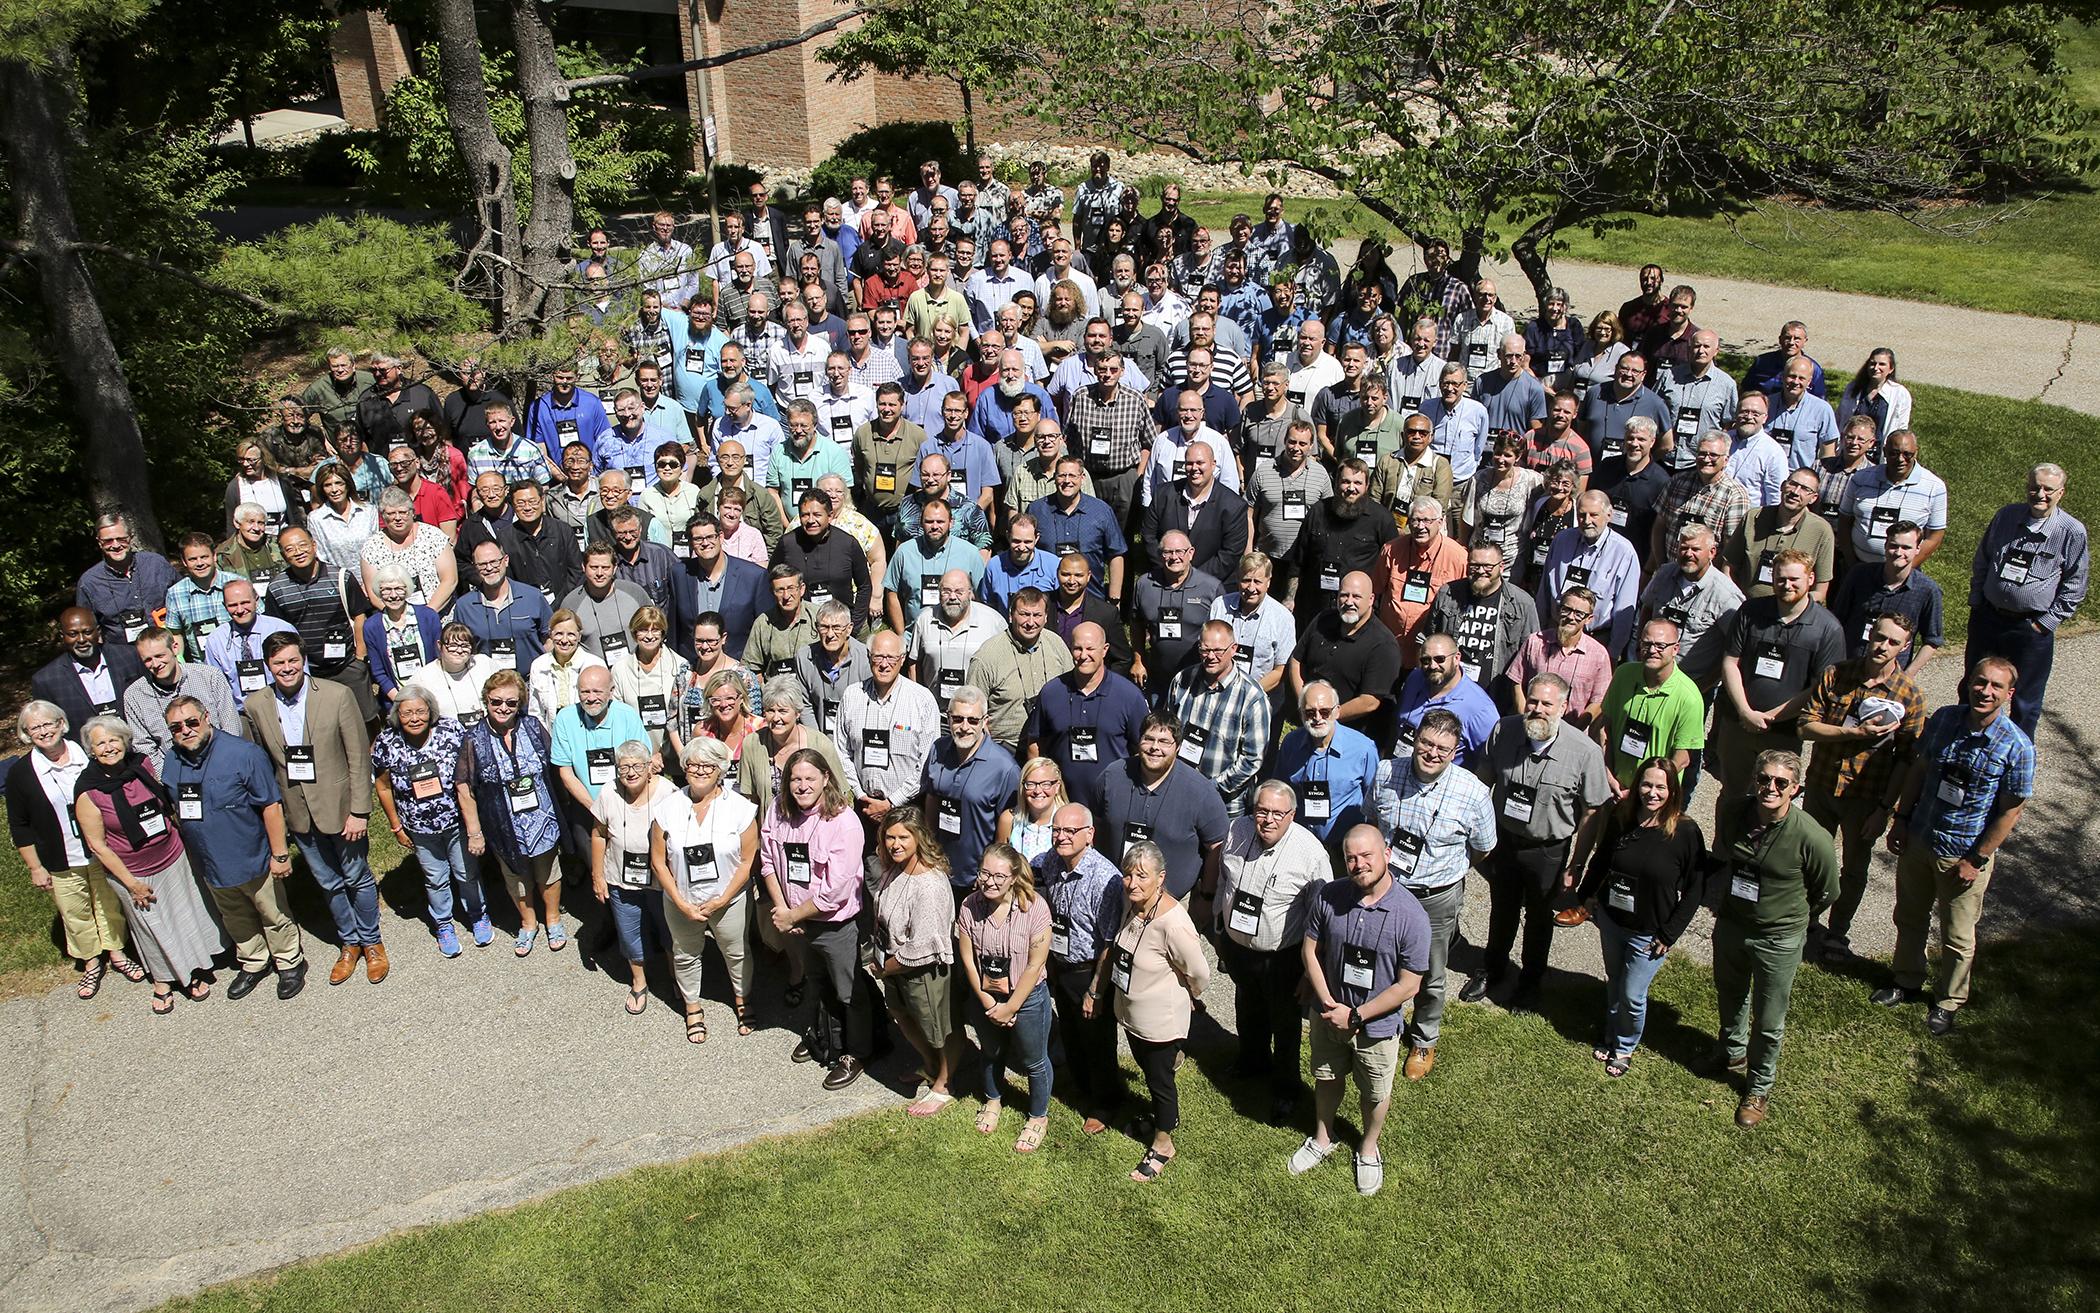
988 1119
1617 1064
743 1020
126 968
197 990
1032 1135
1150 1166
91 979
696 1028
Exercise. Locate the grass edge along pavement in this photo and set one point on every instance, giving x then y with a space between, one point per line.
1982 446
1896 1172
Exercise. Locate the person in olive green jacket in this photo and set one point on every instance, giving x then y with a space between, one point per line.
1778 872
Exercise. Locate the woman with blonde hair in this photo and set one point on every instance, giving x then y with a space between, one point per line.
649 676
555 671
1042 793
1003 932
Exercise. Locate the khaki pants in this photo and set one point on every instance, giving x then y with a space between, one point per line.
1926 883
1732 751
90 911
1846 819
729 928
259 923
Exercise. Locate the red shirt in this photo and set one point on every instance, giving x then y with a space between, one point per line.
878 290
435 506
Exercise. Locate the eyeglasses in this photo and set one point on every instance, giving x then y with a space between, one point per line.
1318 713
1656 645
1575 615
670 464
1780 783
187 722
1434 751
1272 813
113 542
1070 829
954 719
506 703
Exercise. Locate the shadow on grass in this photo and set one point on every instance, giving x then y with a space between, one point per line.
2005 1214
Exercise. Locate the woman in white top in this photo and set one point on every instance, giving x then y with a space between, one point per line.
554 671
40 814
704 846
1495 505
621 872
254 481
453 684
651 677
422 550
340 524
1875 391
1042 793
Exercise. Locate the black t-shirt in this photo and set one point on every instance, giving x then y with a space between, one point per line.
1635 496
1779 660
1649 882
1367 661
1342 542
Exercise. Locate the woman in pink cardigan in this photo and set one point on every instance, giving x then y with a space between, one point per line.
810 847
1157 971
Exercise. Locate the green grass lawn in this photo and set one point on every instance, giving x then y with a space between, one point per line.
2039 256
1897 1172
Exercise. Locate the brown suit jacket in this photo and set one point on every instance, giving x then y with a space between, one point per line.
342 784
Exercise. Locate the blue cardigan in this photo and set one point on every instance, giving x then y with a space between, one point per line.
382 661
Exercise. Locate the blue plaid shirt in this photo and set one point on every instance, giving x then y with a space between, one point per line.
1231 720
194 612
1970 776
1448 819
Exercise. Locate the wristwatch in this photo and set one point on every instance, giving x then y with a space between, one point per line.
1356 1019
280 857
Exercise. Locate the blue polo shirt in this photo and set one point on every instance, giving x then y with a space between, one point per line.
1184 815
1466 700
555 426
1067 723
970 459
635 457
969 797
219 797
1091 530
1345 772
1002 578
514 635
911 563
575 743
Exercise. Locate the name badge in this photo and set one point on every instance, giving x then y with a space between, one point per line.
950 816
1119 969
423 781
1770 663
1086 744
524 795
1407 850
798 863
1555 362
1133 834
1330 579
299 763
1951 792
1243 656
1098 443
1633 740
1764 565
1169 626
189 802
1060 935
504 648
929 590
1578 577
1245 916
885 475
1357 961
1316 800
995 972
696 359
598 766
407 658
1743 885
1409 405
153 822
613 643
1517 803
335 646
1293 505
1193 737
2017 566
249 675
780 666
655 715
1618 515
634 870
1415 589
840 422
1620 898
1879 521
700 870
133 624
567 429
875 749
1688 421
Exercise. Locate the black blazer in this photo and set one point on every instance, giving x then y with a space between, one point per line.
57 683
1220 535
31 817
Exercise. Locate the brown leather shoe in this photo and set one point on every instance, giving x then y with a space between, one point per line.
1419 1061
345 964
375 963
1750 1111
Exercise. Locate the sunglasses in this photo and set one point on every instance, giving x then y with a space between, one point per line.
494 703
187 722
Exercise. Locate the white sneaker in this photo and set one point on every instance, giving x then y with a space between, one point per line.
1370 1175
1309 1156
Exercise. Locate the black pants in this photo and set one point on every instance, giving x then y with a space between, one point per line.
844 1023
1089 1043
1523 882
1157 1062
1266 1010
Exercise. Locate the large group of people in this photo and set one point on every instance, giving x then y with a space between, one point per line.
984 611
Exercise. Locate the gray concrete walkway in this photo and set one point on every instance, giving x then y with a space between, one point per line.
2054 361
156 1155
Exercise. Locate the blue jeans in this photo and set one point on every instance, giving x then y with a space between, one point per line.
345 876
444 860
1628 971
629 907
1030 1038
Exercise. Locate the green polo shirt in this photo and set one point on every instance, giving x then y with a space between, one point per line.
1666 719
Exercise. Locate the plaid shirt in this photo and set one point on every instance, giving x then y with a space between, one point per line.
525 462
1442 295
1862 769
194 612
1232 719
1722 506
1125 423
1987 770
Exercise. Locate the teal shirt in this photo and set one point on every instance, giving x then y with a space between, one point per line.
911 565
792 477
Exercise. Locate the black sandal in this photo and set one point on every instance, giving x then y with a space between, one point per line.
743 1020
91 979
696 1028
1150 1166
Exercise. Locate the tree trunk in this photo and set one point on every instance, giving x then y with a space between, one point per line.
1529 253
969 121
545 100
483 156
35 111
1472 248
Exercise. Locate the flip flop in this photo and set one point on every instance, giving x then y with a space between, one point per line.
931 1104
197 990
637 1002
163 1004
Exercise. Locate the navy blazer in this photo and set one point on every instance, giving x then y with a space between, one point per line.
747 594
58 683
1220 535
